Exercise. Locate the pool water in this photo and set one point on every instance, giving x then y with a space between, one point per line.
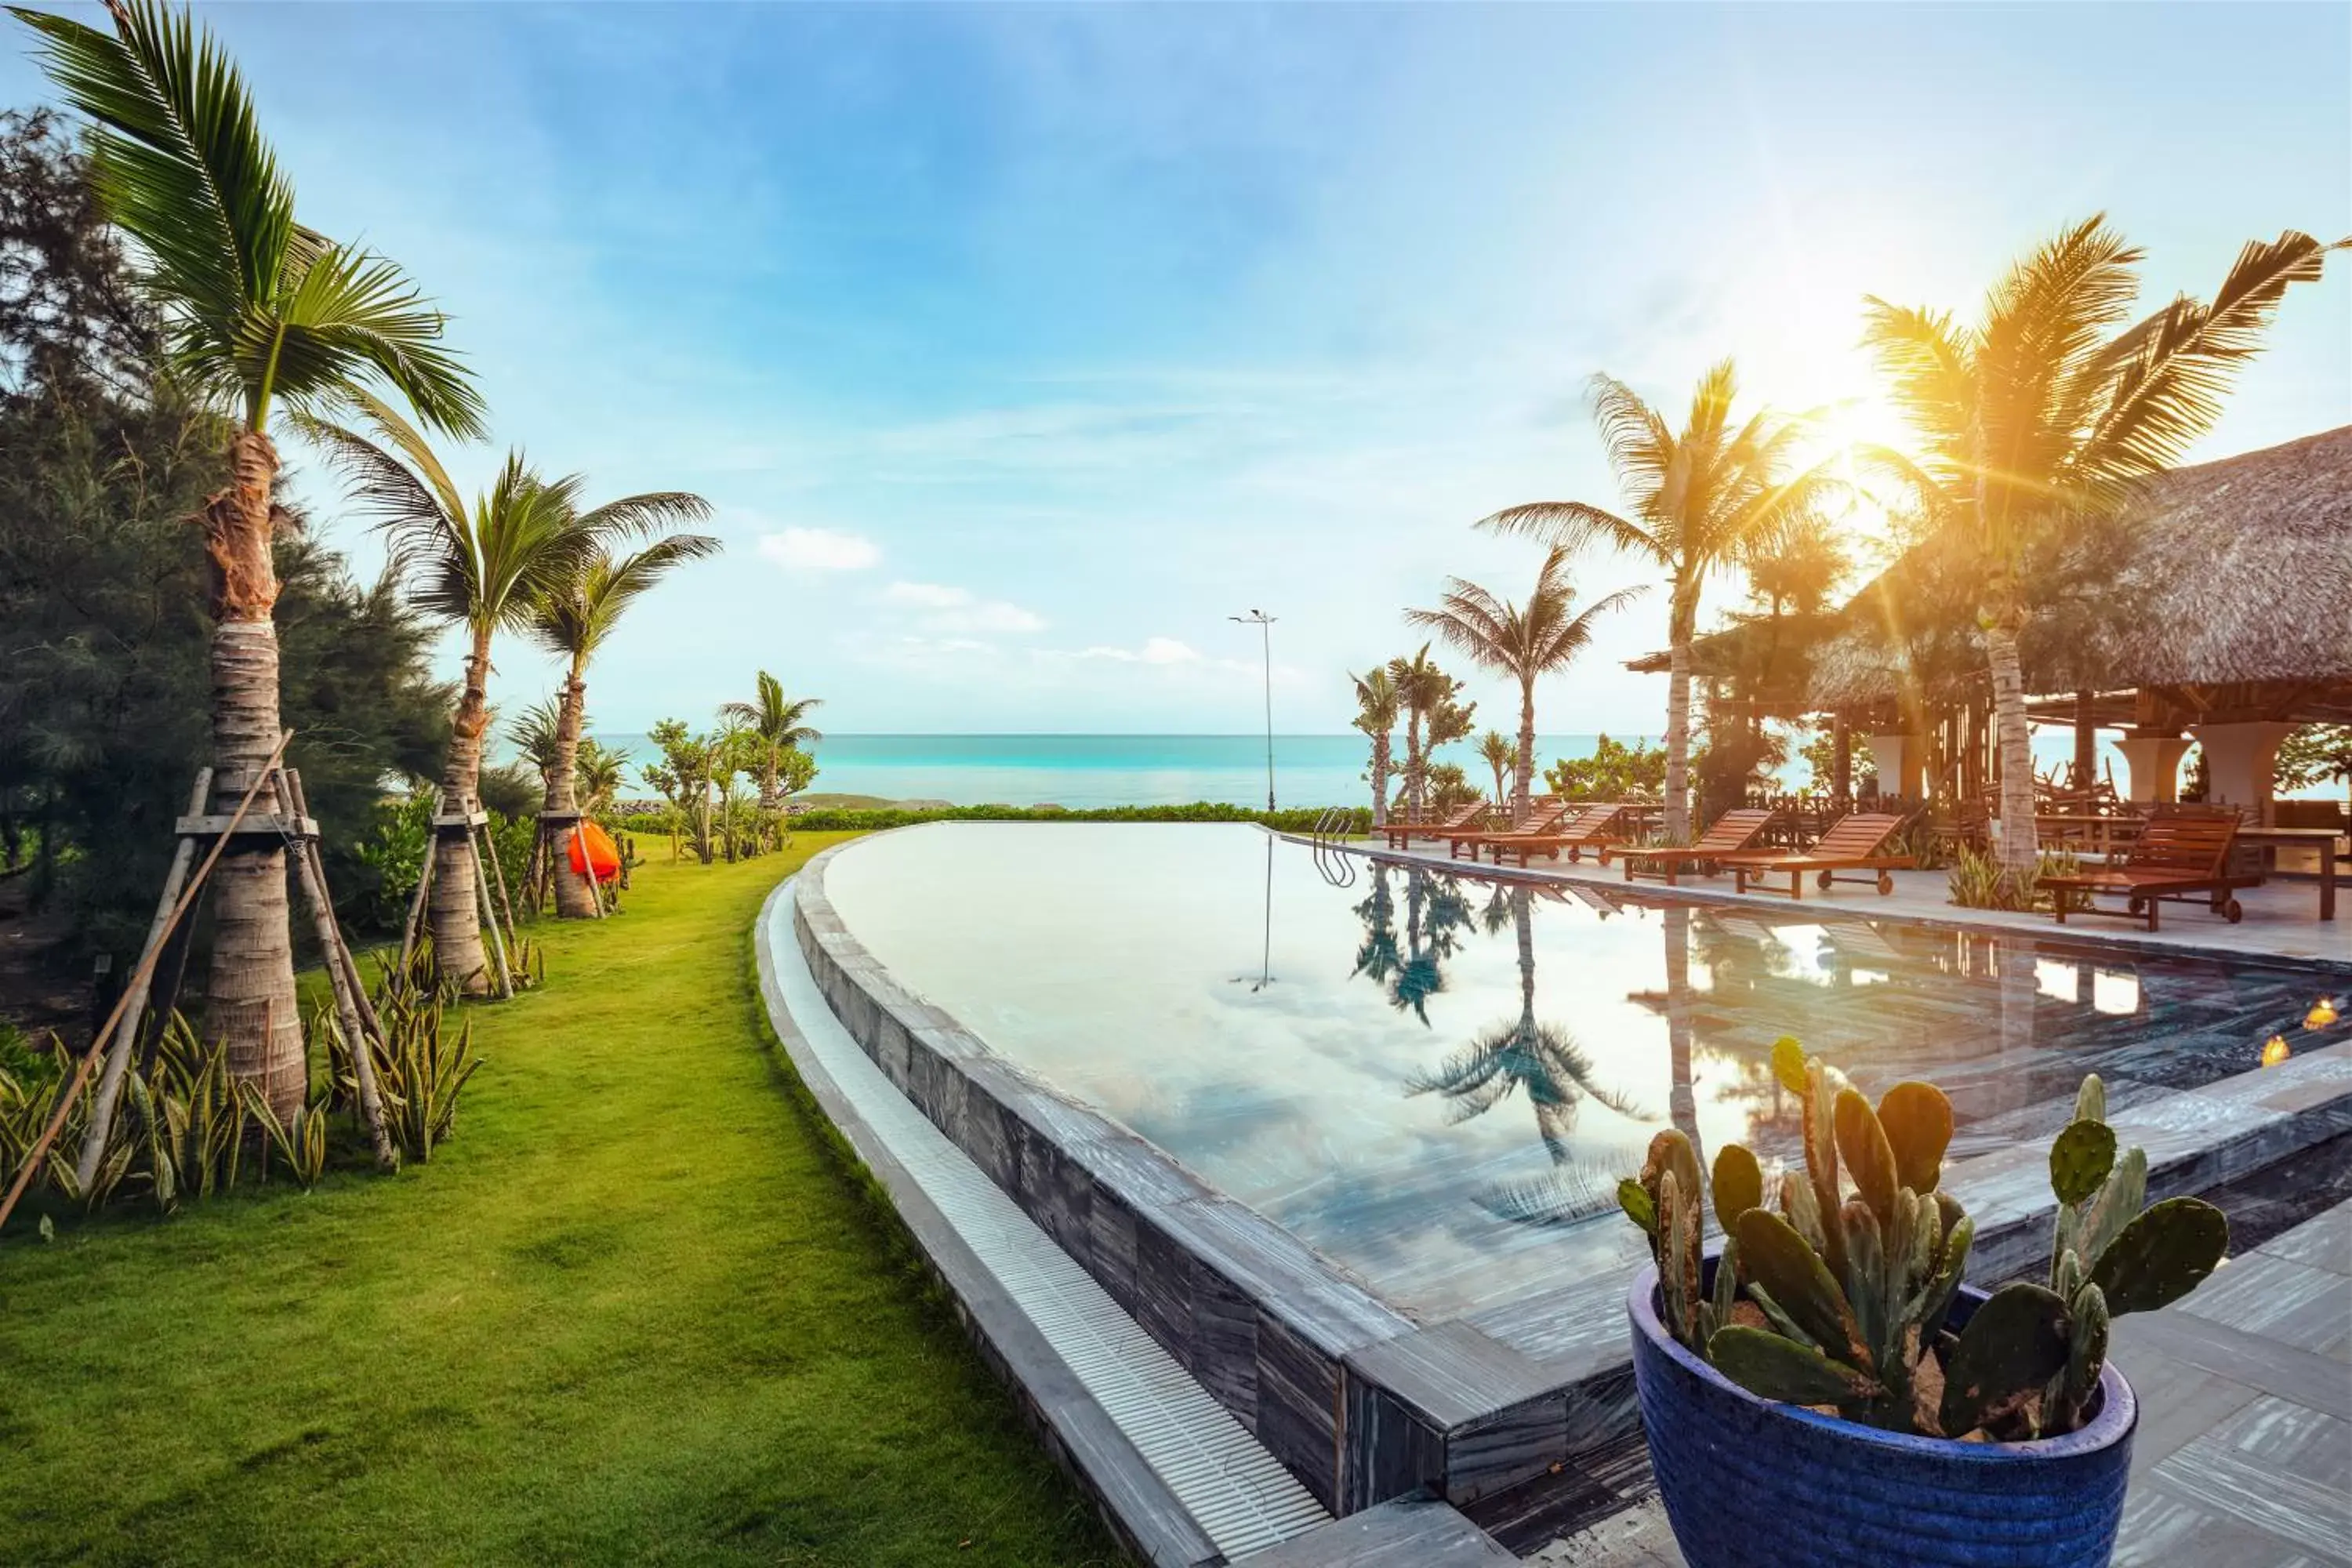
1436 1080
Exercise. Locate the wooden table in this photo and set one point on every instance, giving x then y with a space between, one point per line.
2320 839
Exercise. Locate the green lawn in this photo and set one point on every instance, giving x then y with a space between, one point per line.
637 1311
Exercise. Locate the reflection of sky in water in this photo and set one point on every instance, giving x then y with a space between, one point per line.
1123 963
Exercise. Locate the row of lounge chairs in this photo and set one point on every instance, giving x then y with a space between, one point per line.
2179 855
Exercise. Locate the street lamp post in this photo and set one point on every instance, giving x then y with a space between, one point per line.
1260 620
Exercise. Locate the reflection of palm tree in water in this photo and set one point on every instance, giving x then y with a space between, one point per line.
1682 1101
1545 1060
1436 913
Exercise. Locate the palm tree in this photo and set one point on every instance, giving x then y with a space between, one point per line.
1375 715
1698 502
2044 414
482 567
533 733
261 314
574 620
1524 643
1494 749
773 725
1433 717
598 773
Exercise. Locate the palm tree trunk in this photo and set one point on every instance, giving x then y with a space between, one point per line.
1521 806
250 1007
1412 771
1678 693
455 917
1379 781
2021 844
575 894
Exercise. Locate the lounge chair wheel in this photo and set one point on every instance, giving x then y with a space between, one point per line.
2235 911
1822 880
1885 883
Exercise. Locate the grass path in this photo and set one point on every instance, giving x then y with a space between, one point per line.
635 1312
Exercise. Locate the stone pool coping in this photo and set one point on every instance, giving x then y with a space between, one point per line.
1359 1400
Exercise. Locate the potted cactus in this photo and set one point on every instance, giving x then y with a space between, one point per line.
1825 1390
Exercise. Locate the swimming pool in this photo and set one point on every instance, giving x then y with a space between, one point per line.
1435 1080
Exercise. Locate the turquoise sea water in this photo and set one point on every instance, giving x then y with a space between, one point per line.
1081 771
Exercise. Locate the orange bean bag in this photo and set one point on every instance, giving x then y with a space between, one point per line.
593 846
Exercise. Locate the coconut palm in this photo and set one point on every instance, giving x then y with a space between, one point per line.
532 733
1376 708
484 568
574 620
1698 500
598 773
2050 408
1433 717
261 315
1524 643
771 725
1495 750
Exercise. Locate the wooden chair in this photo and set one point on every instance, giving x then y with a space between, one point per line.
1402 834
1733 831
1543 817
1852 844
2177 855
1593 827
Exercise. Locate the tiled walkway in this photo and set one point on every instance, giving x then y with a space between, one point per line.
2281 916
2244 1457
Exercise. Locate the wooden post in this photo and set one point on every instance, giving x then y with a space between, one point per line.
408 933
339 976
1841 761
2087 743
139 978
134 996
490 917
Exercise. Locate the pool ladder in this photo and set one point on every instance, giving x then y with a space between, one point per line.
1339 867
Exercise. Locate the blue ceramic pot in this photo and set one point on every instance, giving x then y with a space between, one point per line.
1751 1483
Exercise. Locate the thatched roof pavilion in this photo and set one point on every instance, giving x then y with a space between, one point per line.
2219 602
2231 601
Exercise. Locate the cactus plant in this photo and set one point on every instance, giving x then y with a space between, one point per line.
1829 1299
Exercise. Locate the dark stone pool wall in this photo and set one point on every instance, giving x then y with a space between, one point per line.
1357 1400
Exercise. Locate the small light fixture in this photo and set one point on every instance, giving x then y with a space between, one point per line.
2274 1051
2323 1013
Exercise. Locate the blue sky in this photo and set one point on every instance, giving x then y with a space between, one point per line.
1019 346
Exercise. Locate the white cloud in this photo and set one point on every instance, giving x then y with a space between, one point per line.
1155 651
953 609
819 549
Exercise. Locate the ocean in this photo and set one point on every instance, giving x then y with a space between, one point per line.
1081 771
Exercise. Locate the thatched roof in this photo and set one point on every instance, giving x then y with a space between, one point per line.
2237 573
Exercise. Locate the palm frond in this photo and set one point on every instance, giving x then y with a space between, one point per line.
1573 525
2164 377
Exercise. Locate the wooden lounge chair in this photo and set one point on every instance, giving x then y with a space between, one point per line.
1543 817
1593 827
2177 854
1401 835
1852 844
1732 832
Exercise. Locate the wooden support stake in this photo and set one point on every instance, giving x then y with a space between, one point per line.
490 919
417 904
134 996
139 979
339 981
499 875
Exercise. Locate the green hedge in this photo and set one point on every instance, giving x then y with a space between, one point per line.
1299 819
